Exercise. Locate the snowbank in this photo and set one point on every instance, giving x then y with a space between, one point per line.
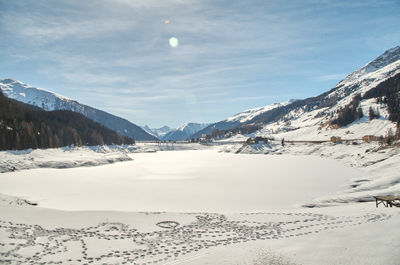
67 157
85 156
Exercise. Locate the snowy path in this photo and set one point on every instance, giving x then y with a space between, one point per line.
119 243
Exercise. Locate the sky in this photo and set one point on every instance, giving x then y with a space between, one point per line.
167 62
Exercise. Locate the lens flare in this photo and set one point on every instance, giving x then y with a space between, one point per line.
173 42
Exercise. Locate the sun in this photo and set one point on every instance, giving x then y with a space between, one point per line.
173 42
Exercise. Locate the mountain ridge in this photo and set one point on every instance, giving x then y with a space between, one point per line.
323 108
48 101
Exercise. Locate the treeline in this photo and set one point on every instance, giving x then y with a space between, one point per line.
23 126
387 92
243 129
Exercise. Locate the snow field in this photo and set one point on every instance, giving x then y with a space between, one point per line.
184 181
378 167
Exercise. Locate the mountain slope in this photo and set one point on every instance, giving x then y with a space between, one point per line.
350 100
239 119
49 101
23 126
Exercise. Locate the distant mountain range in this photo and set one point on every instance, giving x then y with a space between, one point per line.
366 102
182 133
158 132
344 110
49 101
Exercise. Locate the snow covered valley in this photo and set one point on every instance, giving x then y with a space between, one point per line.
205 206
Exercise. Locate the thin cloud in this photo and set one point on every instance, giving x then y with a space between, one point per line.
95 79
331 77
44 29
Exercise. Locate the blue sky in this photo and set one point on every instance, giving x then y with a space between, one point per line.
232 55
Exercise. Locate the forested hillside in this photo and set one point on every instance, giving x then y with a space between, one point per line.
23 126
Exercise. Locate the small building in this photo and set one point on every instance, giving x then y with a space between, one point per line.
336 139
370 138
257 140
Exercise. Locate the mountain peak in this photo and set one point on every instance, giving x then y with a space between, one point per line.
381 64
9 81
19 90
388 57
186 125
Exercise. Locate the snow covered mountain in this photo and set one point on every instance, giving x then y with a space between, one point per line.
183 132
158 132
47 100
343 111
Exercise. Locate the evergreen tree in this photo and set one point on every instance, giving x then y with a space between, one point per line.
373 114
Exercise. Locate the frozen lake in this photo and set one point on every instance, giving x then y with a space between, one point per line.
183 181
